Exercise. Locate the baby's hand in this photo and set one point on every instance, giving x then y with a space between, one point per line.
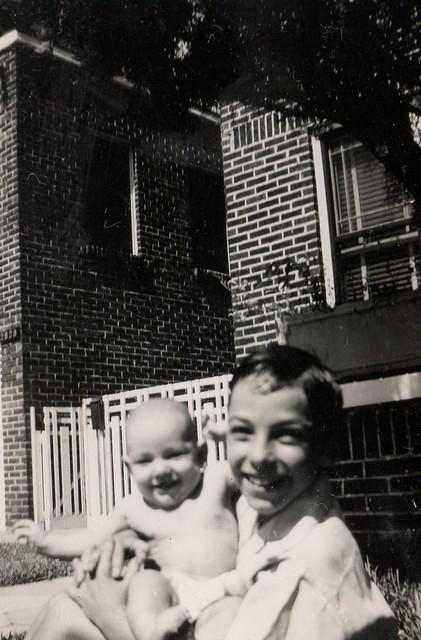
28 531
214 429
248 569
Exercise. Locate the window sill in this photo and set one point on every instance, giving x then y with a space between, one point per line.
377 245
359 306
364 338
116 263
106 253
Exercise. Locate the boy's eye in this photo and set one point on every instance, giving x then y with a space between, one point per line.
289 439
240 433
291 436
142 461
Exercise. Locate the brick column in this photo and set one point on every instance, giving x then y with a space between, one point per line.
271 216
15 436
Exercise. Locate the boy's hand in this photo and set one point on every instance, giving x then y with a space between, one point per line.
28 531
127 545
103 599
86 565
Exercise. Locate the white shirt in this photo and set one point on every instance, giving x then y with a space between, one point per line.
313 585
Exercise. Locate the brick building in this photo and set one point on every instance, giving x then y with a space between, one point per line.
102 228
322 239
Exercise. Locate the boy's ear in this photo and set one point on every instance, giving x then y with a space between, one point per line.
325 460
326 454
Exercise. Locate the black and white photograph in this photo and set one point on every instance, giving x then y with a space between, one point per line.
210 320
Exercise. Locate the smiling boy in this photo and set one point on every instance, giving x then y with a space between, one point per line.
303 575
269 444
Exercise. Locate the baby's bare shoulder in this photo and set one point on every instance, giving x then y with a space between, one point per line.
136 512
130 502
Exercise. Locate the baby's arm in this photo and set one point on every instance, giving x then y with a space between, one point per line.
67 544
59 544
236 582
216 431
231 583
202 594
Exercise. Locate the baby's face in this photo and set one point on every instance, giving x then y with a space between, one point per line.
269 445
162 461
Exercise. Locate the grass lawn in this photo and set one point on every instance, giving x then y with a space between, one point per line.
404 599
19 564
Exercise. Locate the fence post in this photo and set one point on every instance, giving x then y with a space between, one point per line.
36 470
46 471
92 481
209 412
126 475
220 416
82 461
76 480
106 462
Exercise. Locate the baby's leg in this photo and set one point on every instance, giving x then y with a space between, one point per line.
62 619
152 609
214 622
171 621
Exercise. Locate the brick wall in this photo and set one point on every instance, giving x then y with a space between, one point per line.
97 322
378 480
271 218
15 432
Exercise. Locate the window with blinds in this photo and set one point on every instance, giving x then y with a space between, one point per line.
377 246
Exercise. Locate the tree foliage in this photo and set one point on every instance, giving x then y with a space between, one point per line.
355 62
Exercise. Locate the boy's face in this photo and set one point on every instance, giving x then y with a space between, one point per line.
162 460
269 444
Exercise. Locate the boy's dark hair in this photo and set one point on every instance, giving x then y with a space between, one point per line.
288 366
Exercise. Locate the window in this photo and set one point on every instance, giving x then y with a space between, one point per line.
370 245
109 210
208 224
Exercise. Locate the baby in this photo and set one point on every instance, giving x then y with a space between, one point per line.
184 514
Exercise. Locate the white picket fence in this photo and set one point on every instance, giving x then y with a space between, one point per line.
58 468
78 470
